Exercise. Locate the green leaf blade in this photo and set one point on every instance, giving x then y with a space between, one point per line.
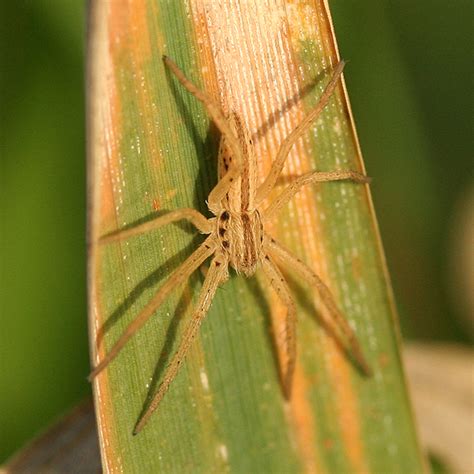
151 149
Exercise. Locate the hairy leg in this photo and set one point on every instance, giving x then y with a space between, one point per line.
216 274
221 188
269 183
283 255
277 281
309 178
193 216
212 107
183 272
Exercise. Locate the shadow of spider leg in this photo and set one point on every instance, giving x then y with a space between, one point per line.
280 253
269 183
221 121
217 274
193 216
182 273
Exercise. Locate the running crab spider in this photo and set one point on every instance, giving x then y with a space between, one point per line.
237 237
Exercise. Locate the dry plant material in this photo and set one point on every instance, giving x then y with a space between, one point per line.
237 238
442 388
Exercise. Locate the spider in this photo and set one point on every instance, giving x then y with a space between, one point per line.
236 237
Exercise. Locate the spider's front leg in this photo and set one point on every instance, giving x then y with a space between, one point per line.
350 342
201 223
182 272
278 282
217 273
205 250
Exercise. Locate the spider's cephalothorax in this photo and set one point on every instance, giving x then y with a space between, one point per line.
236 237
241 238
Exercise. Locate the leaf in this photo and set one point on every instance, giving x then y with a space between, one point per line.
69 445
442 388
152 148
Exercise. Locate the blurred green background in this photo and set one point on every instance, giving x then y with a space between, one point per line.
407 79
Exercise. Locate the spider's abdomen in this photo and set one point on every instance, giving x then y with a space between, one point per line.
241 238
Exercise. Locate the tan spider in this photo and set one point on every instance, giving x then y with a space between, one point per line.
237 237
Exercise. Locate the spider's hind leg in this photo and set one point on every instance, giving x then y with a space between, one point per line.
310 178
212 107
222 122
266 187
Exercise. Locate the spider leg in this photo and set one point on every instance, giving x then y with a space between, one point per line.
283 255
212 107
215 276
195 217
269 183
308 178
222 187
278 282
206 249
